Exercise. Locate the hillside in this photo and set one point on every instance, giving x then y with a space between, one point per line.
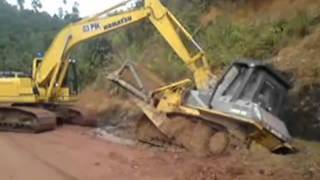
25 33
301 60
285 33
228 30
22 35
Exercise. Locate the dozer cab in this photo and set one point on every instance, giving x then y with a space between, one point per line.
254 95
244 106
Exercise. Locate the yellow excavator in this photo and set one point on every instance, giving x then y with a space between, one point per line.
243 105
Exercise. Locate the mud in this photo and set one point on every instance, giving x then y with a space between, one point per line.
193 136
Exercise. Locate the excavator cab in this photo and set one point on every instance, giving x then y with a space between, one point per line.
71 81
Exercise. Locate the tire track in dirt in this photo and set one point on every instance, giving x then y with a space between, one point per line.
46 163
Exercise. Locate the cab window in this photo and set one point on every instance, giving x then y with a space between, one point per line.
268 97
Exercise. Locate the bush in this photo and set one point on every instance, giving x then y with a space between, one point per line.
226 41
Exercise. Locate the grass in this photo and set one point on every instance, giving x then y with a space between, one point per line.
226 41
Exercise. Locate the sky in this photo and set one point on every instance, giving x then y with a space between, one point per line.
87 7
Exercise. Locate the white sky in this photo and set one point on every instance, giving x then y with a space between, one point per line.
87 7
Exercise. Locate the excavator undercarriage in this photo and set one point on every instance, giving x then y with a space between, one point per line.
26 119
244 106
34 119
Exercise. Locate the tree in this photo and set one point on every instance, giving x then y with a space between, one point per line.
139 3
36 5
74 15
75 9
17 36
21 4
60 13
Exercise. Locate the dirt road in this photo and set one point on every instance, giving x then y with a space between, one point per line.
74 153
69 153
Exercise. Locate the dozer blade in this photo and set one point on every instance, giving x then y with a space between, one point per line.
26 119
179 130
147 132
160 129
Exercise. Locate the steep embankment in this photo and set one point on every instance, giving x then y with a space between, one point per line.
288 33
255 11
301 59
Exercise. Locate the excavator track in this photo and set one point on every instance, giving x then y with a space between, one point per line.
76 115
26 119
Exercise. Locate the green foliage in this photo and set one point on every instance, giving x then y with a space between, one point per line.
64 14
187 12
226 41
75 9
203 4
23 33
60 13
92 58
36 5
21 4
74 15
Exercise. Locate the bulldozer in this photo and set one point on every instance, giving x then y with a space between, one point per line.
206 115
244 105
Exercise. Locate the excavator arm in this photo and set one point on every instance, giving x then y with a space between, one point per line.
51 72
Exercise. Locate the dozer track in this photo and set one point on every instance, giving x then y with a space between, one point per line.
198 138
26 119
178 130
